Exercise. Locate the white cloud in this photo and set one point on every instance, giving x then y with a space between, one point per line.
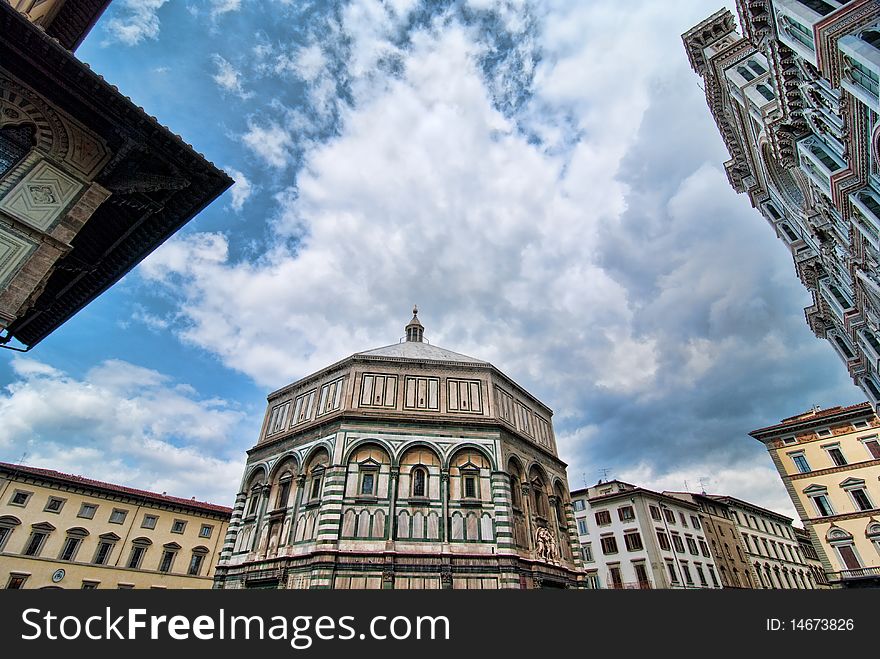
241 190
139 21
270 142
220 7
229 78
125 424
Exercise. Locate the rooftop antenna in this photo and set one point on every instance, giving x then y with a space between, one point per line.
686 487
704 481
604 473
584 477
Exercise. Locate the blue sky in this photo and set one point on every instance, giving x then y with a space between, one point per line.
543 178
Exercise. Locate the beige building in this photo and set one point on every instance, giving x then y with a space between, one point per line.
408 467
63 531
771 546
829 461
725 542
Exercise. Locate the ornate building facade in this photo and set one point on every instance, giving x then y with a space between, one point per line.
90 184
796 98
829 461
408 467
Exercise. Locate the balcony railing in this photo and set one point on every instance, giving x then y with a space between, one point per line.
857 573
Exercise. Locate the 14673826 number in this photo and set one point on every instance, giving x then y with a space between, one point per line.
821 624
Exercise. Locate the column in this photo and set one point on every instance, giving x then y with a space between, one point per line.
444 494
392 509
233 528
297 502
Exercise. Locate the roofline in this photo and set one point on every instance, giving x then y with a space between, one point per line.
55 477
726 498
795 425
356 357
646 492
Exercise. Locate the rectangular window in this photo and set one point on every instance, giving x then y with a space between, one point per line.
800 462
582 527
16 582
823 506
149 522
603 517
167 560
118 516
670 516
205 531
685 568
178 526
609 545
673 573
695 522
368 483
655 513
677 543
470 487
861 498
87 511
316 487
616 580
626 514
54 505
587 551
35 543
579 505
136 556
633 541
836 456
5 532
692 546
103 552
683 520
704 548
873 448
700 574
19 498
663 539
712 576
89 585
195 565
68 552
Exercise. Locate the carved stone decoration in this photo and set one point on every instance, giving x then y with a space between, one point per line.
14 249
41 196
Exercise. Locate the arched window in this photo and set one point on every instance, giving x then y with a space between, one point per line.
15 142
419 482
515 494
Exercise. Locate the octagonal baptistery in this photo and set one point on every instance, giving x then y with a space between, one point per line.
408 466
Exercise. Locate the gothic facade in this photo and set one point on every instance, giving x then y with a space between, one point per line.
796 98
406 467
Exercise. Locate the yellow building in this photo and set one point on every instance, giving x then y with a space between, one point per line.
63 531
829 461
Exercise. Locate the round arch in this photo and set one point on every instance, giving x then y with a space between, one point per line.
470 447
366 441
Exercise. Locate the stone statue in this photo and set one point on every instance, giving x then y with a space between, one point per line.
545 545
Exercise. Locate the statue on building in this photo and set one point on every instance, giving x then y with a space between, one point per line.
545 545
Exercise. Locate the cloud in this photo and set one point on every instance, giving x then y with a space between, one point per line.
220 7
229 78
271 143
138 21
242 189
124 424
518 169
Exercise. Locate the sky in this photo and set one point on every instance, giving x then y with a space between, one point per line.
543 179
